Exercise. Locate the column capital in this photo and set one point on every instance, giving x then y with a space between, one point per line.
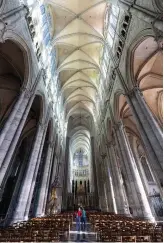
135 89
3 29
28 93
117 125
42 125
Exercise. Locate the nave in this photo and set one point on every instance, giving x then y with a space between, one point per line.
81 120
100 227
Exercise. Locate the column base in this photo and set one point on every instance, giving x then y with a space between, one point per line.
18 219
39 215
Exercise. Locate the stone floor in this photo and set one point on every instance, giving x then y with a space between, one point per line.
87 235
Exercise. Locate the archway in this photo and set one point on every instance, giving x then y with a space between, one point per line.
144 168
147 74
12 75
19 161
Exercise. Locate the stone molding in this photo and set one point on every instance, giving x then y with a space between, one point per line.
3 28
131 93
42 125
28 93
117 126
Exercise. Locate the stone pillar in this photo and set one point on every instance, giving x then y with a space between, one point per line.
45 182
96 196
12 134
30 196
58 181
66 164
59 177
21 212
96 202
48 181
120 160
106 191
150 132
107 183
101 185
120 196
54 169
51 178
136 193
98 179
11 117
147 187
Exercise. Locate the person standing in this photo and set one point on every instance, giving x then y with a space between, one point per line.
78 215
83 219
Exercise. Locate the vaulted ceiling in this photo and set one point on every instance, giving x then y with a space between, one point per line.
77 33
78 36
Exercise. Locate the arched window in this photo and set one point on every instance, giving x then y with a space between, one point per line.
112 24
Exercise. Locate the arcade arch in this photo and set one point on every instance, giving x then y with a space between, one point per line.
20 159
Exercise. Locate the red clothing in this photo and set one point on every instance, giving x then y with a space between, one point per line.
78 213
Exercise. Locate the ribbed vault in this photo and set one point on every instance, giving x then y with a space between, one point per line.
78 36
77 32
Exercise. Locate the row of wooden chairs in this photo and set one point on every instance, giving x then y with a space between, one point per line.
45 229
120 228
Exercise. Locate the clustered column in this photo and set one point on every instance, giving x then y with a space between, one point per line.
45 182
94 174
107 184
26 192
102 203
136 194
66 176
12 130
120 197
150 132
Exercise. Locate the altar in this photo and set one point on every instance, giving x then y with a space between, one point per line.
80 198
85 200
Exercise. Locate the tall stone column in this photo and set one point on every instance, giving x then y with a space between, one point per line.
45 182
150 132
58 181
21 212
94 174
12 124
109 194
12 136
54 169
51 177
120 197
12 116
62 173
66 164
120 160
30 196
97 164
59 185
101 185
136 193
48 181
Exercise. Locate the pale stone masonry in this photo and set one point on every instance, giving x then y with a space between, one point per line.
80 94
